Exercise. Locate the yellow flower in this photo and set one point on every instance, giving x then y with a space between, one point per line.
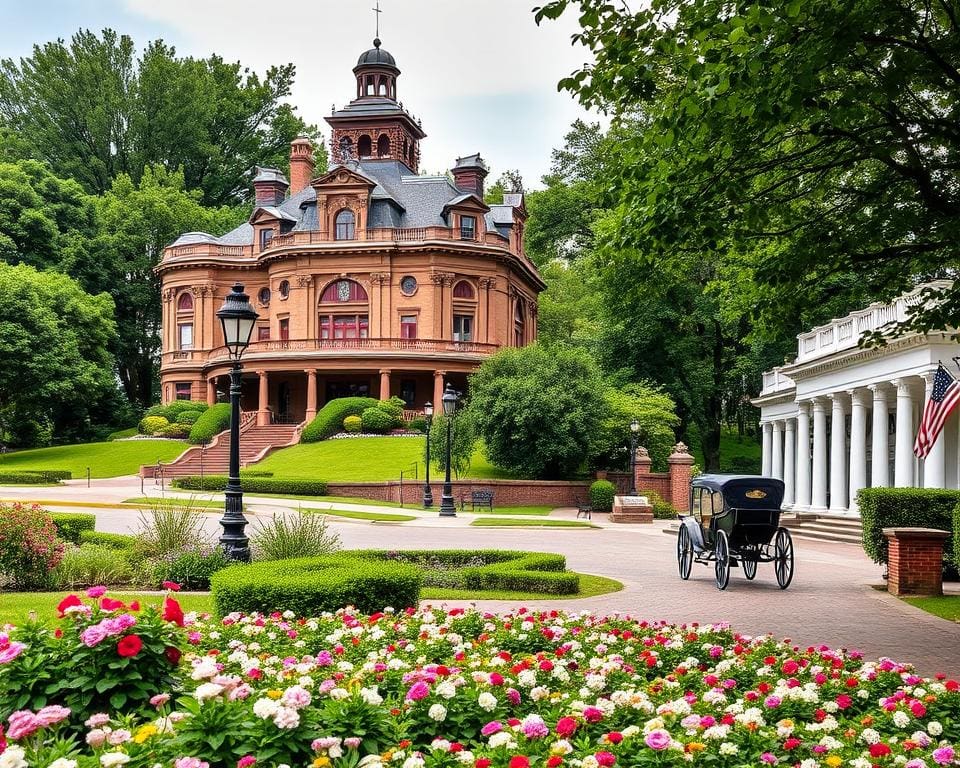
387 756
143 733
696 746
274 693
834 761
321 762
786 723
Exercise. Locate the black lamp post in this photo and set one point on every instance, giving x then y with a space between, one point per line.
449 408
427 492
634 428
237 316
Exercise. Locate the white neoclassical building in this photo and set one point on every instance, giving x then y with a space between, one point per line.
840 418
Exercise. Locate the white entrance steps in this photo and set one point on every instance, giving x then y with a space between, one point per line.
844 529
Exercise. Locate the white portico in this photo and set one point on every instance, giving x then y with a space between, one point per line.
841 418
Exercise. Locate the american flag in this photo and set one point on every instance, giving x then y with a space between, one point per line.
943 399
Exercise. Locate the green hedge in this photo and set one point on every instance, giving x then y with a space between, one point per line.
34 476
70 526
111 540
956 537
308 586
904 508
211 422
601 495
329 419
252 484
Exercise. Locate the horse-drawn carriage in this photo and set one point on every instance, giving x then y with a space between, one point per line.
734 521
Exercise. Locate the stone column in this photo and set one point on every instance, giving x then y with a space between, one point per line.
818 499
385 384
438 391
789 461
263 411
838 454
766 449
934 474
776 466
858 445
680 465
903 460
311 394
211 391
879 448
915 560
803 456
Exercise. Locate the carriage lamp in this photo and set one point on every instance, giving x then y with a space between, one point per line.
449 408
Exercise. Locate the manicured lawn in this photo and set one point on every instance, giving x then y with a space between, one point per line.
532 510
590 586
384 517
506 522
947 607
363 459
146 502
104 459
15 607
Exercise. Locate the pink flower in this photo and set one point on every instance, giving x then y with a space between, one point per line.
769 758
657 739
95 721
93 636
352 742
246 761
592 714
159 700
52 714
606 759
190 762
97 738
95 592
11 652
772 702
943 755
418 691
494 726
22 724
566 726
174 587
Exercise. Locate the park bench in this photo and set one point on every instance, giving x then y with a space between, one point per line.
584 508
481 499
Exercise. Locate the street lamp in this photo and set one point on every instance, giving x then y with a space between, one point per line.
427 493
237 316
449 408
634 428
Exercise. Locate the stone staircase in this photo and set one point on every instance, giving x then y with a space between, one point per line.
255 443
838 528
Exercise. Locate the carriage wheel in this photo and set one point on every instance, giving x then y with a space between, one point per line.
684 553
783 557
721 555
749 568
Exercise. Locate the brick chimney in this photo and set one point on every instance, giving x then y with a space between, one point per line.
301 164
269 186
469 173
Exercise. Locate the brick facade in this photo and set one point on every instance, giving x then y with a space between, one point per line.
915 560
507 493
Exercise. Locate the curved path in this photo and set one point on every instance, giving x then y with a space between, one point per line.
832 598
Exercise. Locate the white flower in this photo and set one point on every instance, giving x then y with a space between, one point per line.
441 744
414 761
869 736
437 712
502 739
487 701
203 668
338 694
901 719
286 718
371 696
265 708
809 763
12 757
445 689
934 728
113 759
861 762
62 762
589 762
729 749
207 691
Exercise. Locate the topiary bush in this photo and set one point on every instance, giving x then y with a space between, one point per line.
308 586
377 421
150 425
71 527
189 417
329 419
253 484
353 425
175 431
212 421
601 495
905 507
394 408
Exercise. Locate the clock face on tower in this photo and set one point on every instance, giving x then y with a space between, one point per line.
408 285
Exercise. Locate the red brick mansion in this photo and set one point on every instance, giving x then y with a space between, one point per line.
369 278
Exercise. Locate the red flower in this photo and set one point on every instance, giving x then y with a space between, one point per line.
129 646
173 654
790 667
172 586
481 762
68 602
135 606
109 604
614 737
554 760
879 749
791 743
496 678
172 611
844 701
566 726
519 761
606 759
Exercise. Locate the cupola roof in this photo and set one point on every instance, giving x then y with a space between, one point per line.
376 57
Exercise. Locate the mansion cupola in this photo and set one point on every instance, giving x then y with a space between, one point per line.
375 126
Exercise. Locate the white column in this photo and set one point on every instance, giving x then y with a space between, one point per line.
776 468
789 461
766 455
858 444
838 454
803 456
934 464
818 478
879 447
903 460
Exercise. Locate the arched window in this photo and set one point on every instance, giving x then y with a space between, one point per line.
284 289
343 292
383 146
463 290
364 146
345 225
412 154
264 296
369 85
185 321
519 318
346 148
185 302
343 311
382 89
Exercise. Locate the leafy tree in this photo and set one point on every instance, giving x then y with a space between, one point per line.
539 411
510 181
654 411
55 363
463 440
569 311
94 112
824 129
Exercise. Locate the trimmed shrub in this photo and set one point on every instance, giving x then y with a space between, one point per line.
178 431
255 473
311 585
34 476
417 424
91 564
189 417
29 547
353 424
111 540
329 419
394 408
601 495
150 425
252 484
377 420
172 411
70 526
211 422
904 507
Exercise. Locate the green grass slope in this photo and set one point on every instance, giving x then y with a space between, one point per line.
104 459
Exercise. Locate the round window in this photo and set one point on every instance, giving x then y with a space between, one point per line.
264 295
408 285
284 289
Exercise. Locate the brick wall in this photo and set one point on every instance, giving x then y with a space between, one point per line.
915 560
507 493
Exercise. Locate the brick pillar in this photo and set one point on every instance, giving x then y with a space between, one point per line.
681 465
263 412
915 560
641 467
311 394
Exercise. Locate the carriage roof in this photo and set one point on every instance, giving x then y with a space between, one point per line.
742 491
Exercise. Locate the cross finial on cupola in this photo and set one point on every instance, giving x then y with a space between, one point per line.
377 11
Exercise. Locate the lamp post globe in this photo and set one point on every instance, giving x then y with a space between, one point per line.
427 492
634 429
237 318
447 508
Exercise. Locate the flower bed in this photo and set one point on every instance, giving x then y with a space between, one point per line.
453 688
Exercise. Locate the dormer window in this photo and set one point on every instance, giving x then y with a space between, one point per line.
266 237
468 227
345 224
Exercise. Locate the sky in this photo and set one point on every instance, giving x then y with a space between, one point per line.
480 74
